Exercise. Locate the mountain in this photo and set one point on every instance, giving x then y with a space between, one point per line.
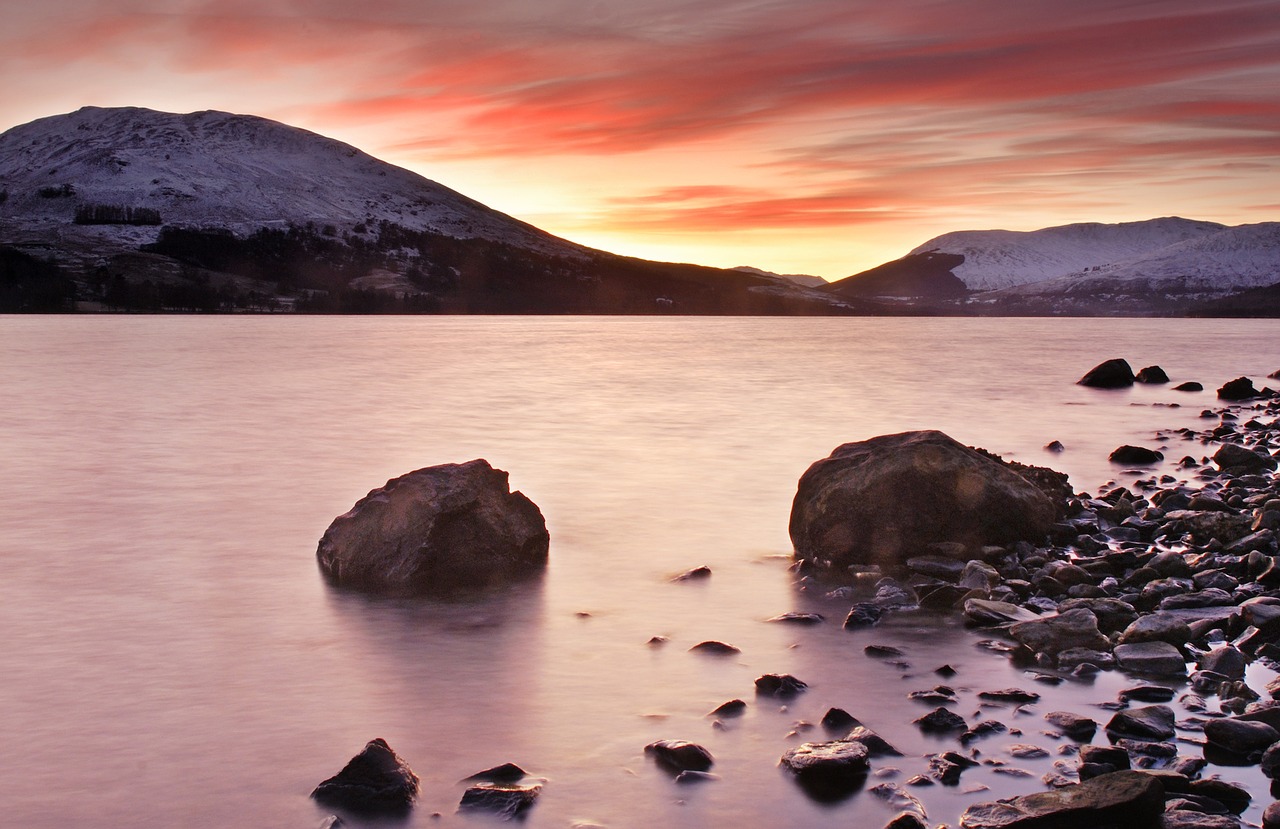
1161 266
160 211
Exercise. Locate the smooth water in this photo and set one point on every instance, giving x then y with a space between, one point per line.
171 656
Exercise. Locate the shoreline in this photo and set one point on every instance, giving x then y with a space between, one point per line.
1173 585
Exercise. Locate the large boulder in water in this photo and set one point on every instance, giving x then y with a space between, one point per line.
434 531
884 500
1112 374
376 780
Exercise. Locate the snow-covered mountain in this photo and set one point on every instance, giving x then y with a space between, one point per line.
1161 266
232 171
995 259
1233 258
137 209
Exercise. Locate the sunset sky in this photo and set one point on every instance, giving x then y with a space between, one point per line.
800 136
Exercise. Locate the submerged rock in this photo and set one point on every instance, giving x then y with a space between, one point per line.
434 531
882 500
375 780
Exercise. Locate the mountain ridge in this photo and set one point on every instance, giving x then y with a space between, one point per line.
145 209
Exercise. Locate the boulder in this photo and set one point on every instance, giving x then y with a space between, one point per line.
1190 385
1153 658
376 781
1151 374
435 531
828 769
1112 374
677 755
506 801
1137 455
779 685
1157 627
1240 737
1123 798
1242 461
1051 635
1073 725
883 500
1151 722
1240 388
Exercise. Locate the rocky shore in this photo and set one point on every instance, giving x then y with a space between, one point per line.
1173 583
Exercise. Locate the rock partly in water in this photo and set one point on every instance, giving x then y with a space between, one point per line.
1135 455
883 500
505 801
435 531
779 685
1124 798
1240 388
1112 374
1190 385
1051 635
828 770
1152 658
1151 722
376 781
1241 461
1151 374
678 755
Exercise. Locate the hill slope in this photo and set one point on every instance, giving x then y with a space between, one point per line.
146 208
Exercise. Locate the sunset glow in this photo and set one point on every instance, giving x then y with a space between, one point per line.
808 136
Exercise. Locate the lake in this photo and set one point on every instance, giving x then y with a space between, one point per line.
173 658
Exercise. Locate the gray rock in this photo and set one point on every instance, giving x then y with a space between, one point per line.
1241 737
435 531
828 769
1225 660
1151 658
1073 725
1157 627
1123 798
376 780
1151 722
988 613
881 500
1053 634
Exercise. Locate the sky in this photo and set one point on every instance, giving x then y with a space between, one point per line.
798 136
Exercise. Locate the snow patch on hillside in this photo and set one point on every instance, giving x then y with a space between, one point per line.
996 259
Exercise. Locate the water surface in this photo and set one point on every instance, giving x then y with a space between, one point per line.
173 658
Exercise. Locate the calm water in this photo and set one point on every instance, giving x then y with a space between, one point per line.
172 658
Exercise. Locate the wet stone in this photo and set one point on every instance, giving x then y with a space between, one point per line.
506 802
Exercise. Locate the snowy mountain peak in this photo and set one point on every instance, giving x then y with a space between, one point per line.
235 171
995 259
